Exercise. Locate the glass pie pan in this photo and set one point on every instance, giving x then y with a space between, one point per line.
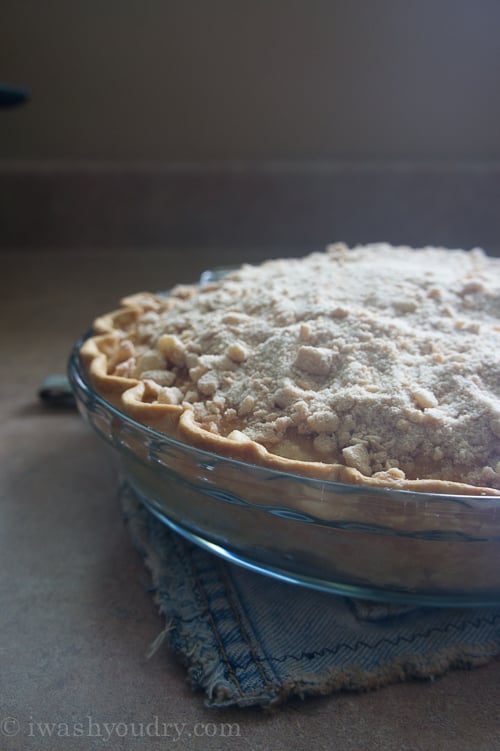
373 543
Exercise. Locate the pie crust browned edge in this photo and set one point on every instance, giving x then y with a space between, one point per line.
130 396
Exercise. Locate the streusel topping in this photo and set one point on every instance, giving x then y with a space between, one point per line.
377 357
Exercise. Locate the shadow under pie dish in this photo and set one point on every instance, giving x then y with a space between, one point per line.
334 420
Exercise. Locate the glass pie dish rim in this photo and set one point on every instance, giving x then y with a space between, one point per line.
76 374
454 505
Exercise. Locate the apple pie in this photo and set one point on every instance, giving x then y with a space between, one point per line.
375 365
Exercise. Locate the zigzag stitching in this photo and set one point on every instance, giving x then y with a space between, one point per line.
475 623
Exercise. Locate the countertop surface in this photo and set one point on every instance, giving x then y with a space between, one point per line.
77 618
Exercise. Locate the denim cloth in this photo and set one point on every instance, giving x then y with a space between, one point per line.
247 639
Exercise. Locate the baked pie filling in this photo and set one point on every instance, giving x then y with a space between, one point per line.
375 365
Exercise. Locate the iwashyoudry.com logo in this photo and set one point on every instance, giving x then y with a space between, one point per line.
88 727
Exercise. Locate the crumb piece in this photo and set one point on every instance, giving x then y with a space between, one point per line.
405 306
125 369
423 397
237 352
339 312
196 372
208 383
325 444
172 348
357 457
305 332
150 360
170 395
472 287
239 436
161 377
323 422
314 360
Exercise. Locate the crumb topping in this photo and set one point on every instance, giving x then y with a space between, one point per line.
380 358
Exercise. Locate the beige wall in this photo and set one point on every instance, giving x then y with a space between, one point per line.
233 79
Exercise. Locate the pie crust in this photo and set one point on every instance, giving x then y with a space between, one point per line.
375 365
